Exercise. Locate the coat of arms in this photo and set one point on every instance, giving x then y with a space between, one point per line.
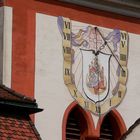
95 74
95 64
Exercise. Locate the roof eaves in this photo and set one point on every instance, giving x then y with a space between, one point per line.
35 130
118 7
22 107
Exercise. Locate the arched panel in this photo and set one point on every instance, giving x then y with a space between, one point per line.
77 123
112 126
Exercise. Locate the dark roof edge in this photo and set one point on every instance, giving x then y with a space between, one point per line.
27 108
22 103
137 122
35 130
110 6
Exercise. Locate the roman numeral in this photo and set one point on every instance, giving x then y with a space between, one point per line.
86 104
67 50
67 36
123 43
110 102
119 94
67 24
123 57
67 71
123 73
75 93
124 36
98 109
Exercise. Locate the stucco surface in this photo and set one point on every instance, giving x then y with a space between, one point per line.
50 90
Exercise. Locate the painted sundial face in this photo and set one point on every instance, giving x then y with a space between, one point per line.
95 65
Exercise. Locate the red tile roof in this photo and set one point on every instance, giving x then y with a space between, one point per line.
9 94
17 128
9 99
15 122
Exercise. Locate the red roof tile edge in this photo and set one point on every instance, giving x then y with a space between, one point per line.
35 130
17 126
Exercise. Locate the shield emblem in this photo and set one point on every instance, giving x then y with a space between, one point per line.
96 75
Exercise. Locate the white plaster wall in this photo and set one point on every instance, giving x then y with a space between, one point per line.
130 106
7 46
50 91
52 94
